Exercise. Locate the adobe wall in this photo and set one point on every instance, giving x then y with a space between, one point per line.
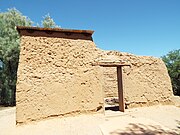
56 77
146 82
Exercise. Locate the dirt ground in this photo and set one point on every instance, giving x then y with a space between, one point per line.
154 120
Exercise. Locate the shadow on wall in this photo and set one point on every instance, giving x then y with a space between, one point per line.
141 129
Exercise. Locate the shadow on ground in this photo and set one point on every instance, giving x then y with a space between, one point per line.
113 108
178 126
141 129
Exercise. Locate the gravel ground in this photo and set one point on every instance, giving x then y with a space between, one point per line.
152 120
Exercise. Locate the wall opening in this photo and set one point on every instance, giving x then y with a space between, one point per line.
118 67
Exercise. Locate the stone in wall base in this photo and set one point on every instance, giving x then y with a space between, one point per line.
114 101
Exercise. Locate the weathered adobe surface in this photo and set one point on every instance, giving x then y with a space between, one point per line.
56 77
146 81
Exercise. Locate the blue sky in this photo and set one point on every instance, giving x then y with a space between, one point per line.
141 27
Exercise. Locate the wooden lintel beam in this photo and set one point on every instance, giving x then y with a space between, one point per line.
112 64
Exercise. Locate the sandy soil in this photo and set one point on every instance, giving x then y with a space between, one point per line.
153 120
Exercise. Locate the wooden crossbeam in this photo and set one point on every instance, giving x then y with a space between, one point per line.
112 64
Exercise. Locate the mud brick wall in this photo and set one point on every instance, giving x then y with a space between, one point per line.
146 82
56 77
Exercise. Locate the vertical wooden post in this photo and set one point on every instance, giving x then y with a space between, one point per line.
120 89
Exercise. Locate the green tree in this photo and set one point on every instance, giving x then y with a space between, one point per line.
172 61
48 22
9 52
0 81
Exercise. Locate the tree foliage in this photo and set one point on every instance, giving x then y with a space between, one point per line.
9 53
48 22
172 61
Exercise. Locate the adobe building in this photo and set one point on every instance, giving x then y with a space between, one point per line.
59 75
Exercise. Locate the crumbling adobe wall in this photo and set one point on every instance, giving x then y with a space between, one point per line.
146 82
56 77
